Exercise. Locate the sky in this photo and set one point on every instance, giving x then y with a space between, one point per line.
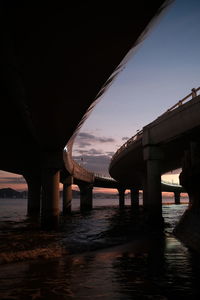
162 70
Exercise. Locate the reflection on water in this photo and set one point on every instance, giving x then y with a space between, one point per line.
103 256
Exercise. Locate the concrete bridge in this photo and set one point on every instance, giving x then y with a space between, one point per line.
168 143
57 60
86 181
73 173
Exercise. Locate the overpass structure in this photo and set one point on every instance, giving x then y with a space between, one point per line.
168 143
57 60
87 180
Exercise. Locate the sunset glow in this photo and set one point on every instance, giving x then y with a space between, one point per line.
162 71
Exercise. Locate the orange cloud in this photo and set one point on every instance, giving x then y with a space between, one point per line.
11 180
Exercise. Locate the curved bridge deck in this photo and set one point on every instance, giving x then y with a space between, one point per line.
168 137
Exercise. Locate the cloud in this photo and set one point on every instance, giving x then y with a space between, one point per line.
12 180
90 152
105 140
125 138
83 144
86 136
110 153
177 171
95 152
85 139
92 158
94 163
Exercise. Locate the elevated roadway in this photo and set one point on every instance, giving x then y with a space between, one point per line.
168 143
87 180
166 139
57 59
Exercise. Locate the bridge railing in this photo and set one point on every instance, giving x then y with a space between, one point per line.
193 94
134 138
138 135
82 173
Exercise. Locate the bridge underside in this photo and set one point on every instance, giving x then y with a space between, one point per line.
130 167
170 142
54 61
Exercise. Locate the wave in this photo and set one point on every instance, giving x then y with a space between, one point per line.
43 253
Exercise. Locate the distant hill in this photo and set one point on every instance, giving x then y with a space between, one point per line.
75 194
11 193
105 196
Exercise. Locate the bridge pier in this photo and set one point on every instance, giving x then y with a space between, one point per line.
177 197
67 195
188 228
134 198
34 195
152 200
190 175
121 192
50 198
86 199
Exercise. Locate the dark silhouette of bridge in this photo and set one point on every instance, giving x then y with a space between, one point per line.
87 180
57 60
169 142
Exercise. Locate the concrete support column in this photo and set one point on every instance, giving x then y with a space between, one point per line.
34 193
144 192
134 198
153 196
50 198
188 228
177 197
67 195
121 197
190 175
86 196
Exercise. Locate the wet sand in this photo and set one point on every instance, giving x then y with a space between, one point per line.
100 255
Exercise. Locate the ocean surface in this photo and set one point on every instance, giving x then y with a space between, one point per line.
98 255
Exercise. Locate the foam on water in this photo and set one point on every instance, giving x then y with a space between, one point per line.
105 226
97 255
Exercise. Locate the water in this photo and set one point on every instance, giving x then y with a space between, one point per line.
97 255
